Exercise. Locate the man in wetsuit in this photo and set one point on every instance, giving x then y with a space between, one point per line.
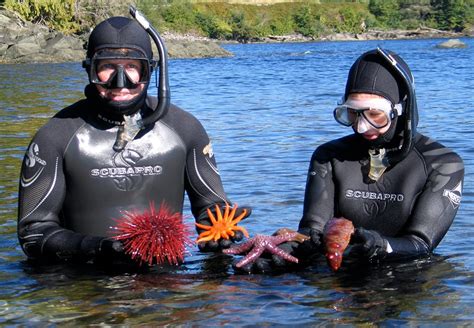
117 150
400 189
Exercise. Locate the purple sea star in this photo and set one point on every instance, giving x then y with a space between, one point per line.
260 243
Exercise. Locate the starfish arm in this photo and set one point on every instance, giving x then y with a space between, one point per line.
279 239
232 213
217 236
205 234
239 249
204 239
240 217
281 253
211 217
203 226
226 212
252 256
244 231
219 214
225 235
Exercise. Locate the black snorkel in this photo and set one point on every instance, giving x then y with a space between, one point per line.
134 123
162 83
410 109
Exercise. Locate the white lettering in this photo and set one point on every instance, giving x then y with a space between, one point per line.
113 172
356 194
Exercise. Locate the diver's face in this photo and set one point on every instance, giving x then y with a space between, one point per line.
361 126
106 68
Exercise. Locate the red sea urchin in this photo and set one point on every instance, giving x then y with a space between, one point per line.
153 236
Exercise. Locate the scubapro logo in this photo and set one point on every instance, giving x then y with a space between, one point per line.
360 194
32 156
116 172
454 195
32 171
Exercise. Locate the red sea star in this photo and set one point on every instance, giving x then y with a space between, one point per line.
260 243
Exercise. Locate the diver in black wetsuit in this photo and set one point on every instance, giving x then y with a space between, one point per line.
118 149
400 188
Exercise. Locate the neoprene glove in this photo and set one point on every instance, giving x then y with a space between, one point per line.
215 246
104 249
369 244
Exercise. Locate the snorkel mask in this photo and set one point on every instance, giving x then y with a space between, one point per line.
120 68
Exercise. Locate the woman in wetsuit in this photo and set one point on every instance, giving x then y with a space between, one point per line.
400 189
117 150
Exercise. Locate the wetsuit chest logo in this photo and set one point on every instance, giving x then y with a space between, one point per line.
361 194
125 172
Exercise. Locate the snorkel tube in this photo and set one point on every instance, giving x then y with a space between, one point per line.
410 108
163 83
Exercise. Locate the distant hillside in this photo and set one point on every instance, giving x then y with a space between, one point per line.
255 20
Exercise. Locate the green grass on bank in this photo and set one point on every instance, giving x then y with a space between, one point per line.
252 19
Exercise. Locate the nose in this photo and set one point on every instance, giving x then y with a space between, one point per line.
362 124
121 79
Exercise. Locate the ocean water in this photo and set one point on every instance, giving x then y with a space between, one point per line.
266 109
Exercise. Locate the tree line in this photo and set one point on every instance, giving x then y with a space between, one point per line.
243 22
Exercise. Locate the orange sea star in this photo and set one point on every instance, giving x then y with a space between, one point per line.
224 226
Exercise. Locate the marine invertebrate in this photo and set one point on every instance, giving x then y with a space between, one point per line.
153 236
223 225
256 246
336 237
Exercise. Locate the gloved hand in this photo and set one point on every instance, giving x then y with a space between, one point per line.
274 263
215 246
369 244
104 249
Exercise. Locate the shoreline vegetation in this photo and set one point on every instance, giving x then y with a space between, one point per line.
57 30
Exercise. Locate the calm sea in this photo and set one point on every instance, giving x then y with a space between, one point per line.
266 109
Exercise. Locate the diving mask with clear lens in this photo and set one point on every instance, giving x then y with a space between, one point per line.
378 112
120 68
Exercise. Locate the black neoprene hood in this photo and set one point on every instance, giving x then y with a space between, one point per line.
119 32
372 74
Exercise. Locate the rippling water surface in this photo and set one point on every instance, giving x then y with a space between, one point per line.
266 109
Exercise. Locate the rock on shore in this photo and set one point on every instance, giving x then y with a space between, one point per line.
24 42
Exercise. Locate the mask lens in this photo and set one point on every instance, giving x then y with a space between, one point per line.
119 69
344 115
376 117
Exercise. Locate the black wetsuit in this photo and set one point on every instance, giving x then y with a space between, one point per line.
73 184
412 205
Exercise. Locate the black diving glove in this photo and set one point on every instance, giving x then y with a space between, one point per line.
104 249
216 246
369 244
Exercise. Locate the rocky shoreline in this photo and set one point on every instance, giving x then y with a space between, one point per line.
24 42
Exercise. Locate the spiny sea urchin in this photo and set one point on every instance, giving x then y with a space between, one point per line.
153 236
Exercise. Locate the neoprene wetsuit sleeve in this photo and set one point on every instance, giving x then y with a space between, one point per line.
41 193
319 204
435 208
